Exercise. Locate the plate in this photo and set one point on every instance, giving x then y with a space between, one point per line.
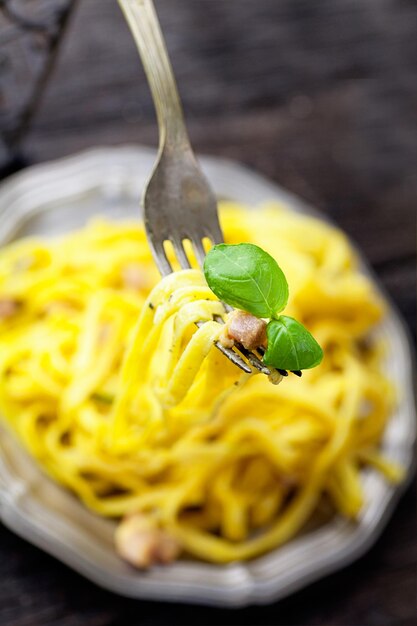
56 197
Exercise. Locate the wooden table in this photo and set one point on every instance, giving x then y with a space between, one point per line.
319 96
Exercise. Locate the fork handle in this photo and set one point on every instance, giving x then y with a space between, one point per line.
144 24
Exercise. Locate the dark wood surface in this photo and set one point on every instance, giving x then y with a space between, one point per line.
319 95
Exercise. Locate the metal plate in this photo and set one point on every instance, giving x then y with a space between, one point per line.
63 195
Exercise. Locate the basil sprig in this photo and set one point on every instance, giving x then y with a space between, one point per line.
248 278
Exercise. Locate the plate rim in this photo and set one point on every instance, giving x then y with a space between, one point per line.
246 588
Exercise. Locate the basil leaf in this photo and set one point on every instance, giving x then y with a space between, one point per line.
291 346
246 277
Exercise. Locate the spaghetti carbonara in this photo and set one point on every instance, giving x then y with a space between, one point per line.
111 386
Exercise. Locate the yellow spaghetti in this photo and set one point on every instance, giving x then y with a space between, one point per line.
110 385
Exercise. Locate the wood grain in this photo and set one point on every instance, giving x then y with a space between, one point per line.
319 96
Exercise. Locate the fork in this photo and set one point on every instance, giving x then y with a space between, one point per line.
178 203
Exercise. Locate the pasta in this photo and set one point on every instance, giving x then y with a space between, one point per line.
111 386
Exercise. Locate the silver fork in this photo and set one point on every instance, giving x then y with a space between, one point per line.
178 202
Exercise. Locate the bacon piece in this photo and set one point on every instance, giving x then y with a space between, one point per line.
8 307
134 277
244 328
141 543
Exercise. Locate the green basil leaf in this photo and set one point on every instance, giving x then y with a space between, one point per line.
291 346
246 277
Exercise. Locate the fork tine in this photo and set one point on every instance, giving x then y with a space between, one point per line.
215 235
254 360
159 256
198 250
234 357
181 254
